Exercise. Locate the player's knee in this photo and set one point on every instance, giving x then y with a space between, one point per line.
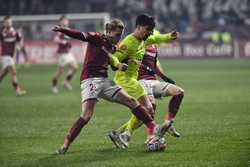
13 73
178 91
181 91
86 117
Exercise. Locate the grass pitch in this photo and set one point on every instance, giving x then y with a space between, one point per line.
214 121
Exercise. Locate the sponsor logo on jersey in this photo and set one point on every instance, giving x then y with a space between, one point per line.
10 39
123 47
150 54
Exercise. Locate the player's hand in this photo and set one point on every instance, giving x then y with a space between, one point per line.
122 67
57 28
174 35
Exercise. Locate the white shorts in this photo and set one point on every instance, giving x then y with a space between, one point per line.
94 88
7 61
155 88
65 59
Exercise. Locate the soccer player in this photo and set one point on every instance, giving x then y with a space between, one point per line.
94 81
131 50
65 57
156 89
21 50
9 37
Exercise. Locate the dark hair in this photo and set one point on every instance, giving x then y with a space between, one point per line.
116 23
62 17
145 20
6 17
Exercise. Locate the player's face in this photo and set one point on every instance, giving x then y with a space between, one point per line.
8 23
145 32
115 35
64 23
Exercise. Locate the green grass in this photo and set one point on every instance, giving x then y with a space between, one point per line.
214 121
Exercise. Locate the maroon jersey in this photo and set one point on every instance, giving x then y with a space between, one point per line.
149 59
63 41
8 39
96 60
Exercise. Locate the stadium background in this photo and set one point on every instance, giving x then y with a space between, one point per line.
208 28
214 71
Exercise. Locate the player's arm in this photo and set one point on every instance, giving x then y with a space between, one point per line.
117 64
71 33
114 61
159 71
160 38
19 39
90 37
122 52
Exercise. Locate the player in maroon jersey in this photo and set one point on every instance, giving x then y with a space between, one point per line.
94 79
65 57
9 37
157 89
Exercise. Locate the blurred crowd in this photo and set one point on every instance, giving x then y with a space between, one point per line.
194 18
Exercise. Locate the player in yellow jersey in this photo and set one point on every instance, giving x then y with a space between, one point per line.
131 51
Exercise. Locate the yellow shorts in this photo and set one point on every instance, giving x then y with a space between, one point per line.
131 86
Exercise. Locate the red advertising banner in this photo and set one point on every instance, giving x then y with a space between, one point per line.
44 52
244 49
196 49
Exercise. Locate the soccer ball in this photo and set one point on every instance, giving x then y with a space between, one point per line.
157 145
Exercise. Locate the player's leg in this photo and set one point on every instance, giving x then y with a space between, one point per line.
72 70
6 61
19 91
55 78
87 112
136 90
3 73
138 111
146 101
133 123
177 94
90 90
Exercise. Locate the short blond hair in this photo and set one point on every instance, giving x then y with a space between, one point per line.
112 25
